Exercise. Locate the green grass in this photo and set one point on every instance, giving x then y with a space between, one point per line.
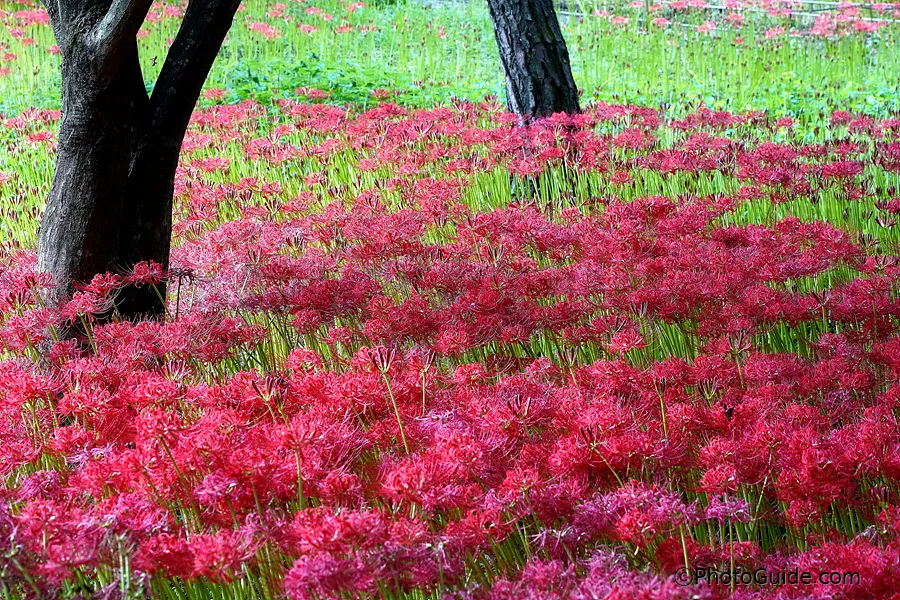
432 54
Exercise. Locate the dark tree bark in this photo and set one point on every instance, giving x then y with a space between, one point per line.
535 59
110 203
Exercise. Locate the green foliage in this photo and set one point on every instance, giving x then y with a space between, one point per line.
431 54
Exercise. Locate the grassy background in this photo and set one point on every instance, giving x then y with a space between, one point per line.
431 54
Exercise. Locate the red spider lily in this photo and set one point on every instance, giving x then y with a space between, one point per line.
575 384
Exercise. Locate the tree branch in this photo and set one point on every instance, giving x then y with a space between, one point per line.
122 21
202 31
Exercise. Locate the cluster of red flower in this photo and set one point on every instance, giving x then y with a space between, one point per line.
377 382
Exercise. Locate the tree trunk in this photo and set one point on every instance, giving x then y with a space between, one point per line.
535 59
104 111
110 202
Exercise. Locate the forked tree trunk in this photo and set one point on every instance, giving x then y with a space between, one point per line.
105 107
110 203
535 59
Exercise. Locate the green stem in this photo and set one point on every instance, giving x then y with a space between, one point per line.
387 383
